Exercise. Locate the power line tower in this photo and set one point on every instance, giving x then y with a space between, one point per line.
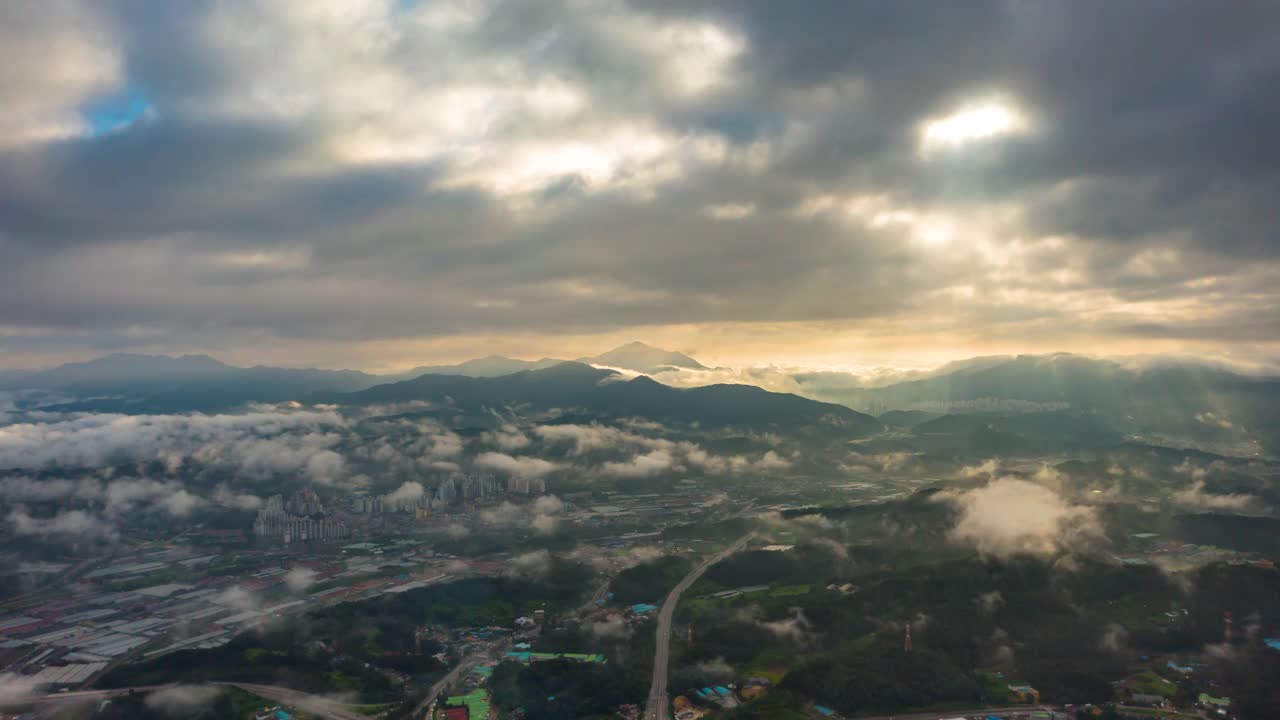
1226 627
906 643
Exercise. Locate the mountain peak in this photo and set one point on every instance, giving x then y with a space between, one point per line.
644 358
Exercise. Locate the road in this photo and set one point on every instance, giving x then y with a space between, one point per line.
1009 713
657 706
425 706
601 591
54 698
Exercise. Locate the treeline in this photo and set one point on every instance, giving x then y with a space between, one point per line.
1068 626
882 677
558 689
649 582
289 655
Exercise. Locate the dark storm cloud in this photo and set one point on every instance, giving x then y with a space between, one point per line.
342 170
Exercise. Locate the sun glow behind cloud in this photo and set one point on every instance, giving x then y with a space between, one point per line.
972 123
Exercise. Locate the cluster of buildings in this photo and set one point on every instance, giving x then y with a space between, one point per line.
301 519
526 486
725 696
302 502
1148 548
64 643
449 491
304 517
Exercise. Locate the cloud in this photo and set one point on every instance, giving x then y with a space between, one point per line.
87 64
1115 638
508 438
1191 470
588 438
614 627
545 510
658 454
409 491
22 488
181 503
603 560
548 505
795 629
771 460
71 524
836 548
238 598
504 514
300 578
716 668
540 515
886 462
534 564
697 131
987 468
257 443
730 211
182 700
523 466
1009 515
544 524
112 497
1000 654
640 466
226 497
17 688
325 467
1194 496
124 494
989 602
455 531
1214 419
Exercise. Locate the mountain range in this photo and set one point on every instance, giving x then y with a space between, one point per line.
1185 401
634 356
189 382
1182 401
581 389
209 383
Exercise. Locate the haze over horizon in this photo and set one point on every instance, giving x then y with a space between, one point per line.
382 184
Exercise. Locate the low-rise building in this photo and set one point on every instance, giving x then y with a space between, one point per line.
1023 694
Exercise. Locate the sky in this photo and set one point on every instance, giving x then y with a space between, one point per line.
384 183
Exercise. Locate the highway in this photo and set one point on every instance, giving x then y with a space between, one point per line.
1008 713
657 706
313 704
53 698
